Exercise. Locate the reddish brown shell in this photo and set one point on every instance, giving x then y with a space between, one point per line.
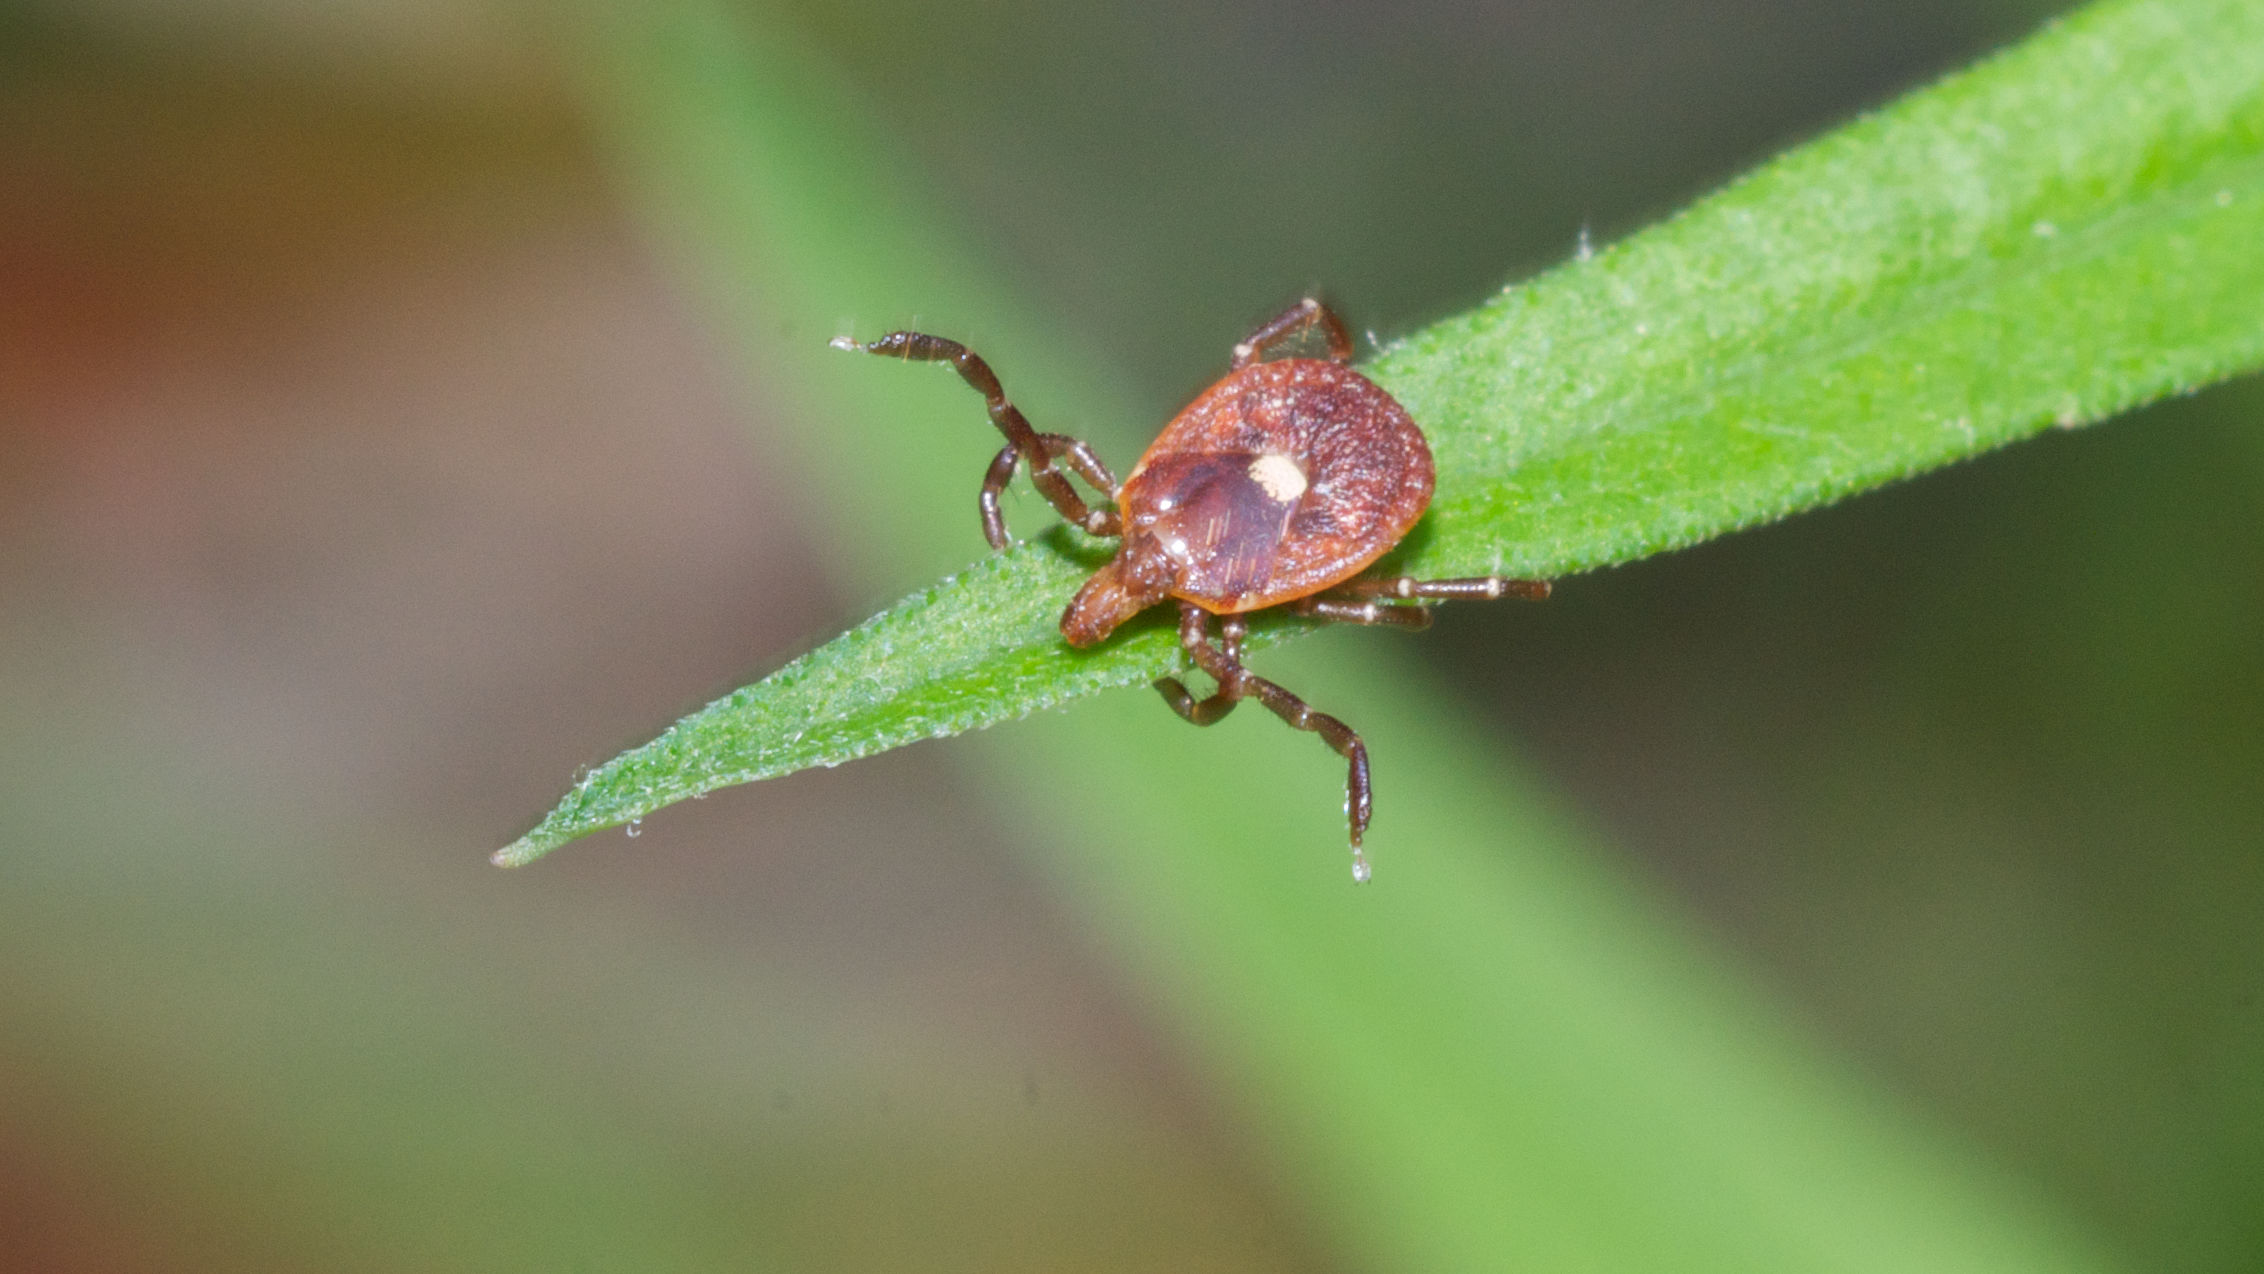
1209 494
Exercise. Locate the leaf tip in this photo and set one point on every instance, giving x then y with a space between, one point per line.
519 852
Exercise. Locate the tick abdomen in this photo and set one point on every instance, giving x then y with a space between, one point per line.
1281 480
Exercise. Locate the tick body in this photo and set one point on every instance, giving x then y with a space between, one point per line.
1275 488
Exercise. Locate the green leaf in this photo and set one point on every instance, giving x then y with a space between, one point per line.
941 662
2065 231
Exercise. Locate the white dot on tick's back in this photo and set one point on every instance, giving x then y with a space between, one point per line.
1279 475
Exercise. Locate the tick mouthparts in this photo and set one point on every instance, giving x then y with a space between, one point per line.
1109 598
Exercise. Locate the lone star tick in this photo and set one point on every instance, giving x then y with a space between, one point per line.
1275 488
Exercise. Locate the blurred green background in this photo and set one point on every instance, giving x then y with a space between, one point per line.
375 455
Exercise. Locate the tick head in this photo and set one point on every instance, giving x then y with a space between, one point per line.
1139 576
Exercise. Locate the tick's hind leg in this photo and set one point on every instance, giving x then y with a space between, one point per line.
1308 313
1223 663
1393 614
1361 601
1475 588
1039 451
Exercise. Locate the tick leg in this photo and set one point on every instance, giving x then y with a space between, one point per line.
1223 663
995 478
1310 312
1084 460
1080 457
1222 700
1385 613
1478 588
1026 442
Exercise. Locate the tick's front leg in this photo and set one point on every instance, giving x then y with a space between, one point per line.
1038 451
